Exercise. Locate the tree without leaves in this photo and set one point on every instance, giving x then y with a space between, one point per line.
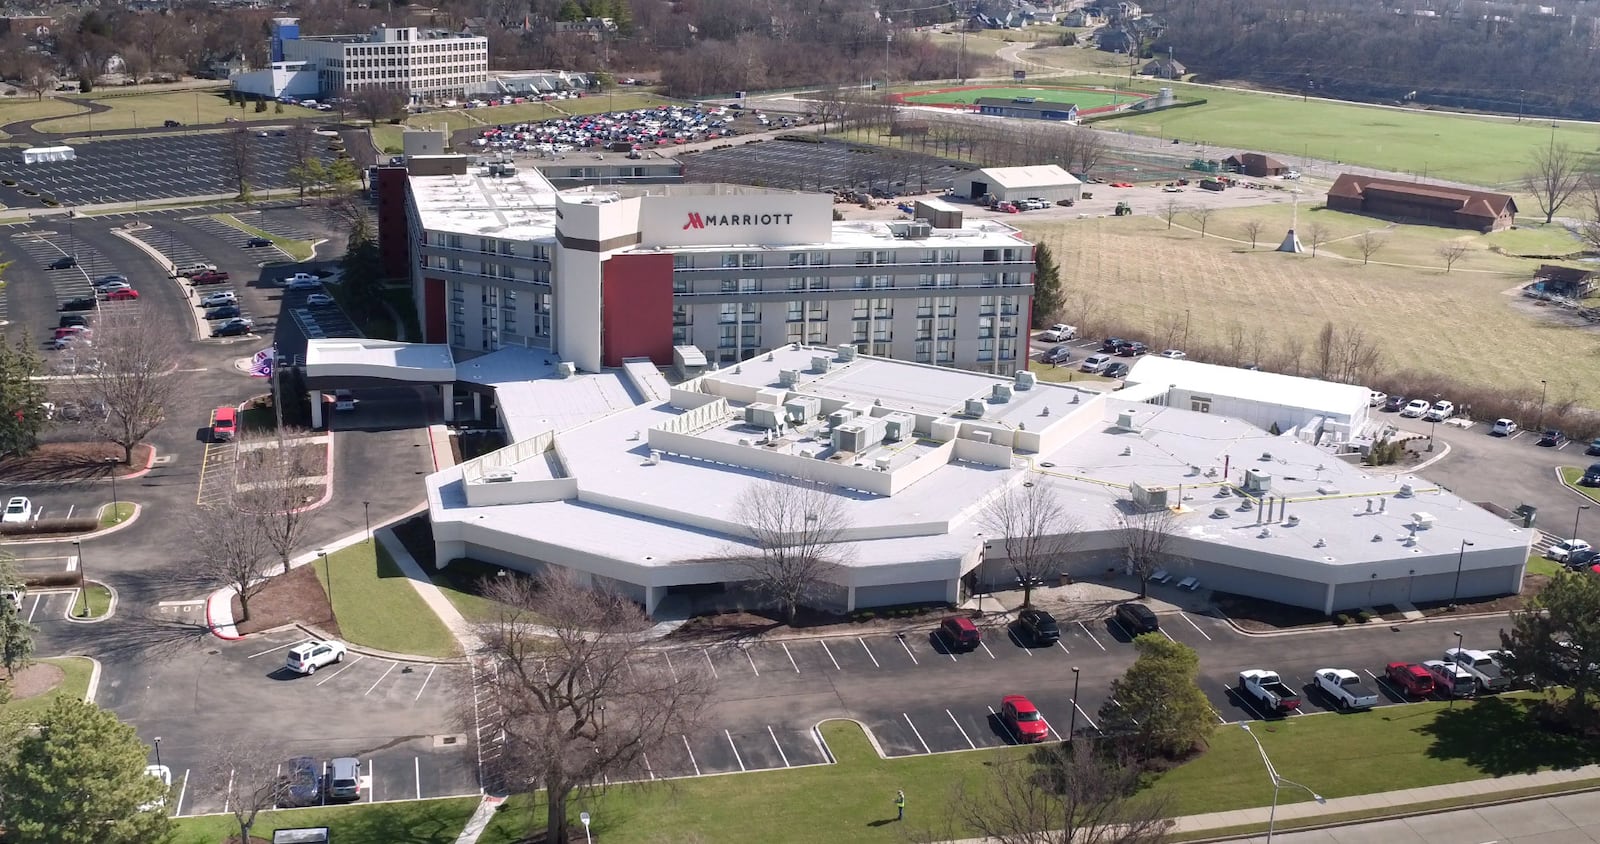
36 78
1032 529
796 527
1450 252
1317 234
281 475
133 384
1158 703
238 160
1201 215
1170 211
1555 174
79 779
1369 243
570 688
244 776
1146 541
373 103
1253 227
1082 792
1566 610
233 551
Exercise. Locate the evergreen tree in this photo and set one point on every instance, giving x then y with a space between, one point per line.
1047 297
22 412
16 634
1158 702
570 11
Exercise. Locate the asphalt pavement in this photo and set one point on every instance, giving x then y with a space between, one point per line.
1567 819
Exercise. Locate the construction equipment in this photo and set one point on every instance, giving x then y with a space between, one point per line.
1124 209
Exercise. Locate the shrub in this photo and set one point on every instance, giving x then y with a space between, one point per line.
1341 619
1364 616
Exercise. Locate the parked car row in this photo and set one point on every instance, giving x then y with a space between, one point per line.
310 783
618 131
1437 411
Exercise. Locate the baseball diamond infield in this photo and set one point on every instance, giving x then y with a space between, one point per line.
1088 100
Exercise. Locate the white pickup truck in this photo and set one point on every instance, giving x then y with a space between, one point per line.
1345 688
1481 666
1268 690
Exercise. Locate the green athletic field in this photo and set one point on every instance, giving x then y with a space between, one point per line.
965 96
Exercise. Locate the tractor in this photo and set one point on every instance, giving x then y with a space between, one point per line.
1124 209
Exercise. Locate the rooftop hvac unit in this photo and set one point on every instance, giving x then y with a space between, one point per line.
1148 497
772 396
788 377
858 436
1026 380
1423 521
802 409
881 464
1001 392
840 417
821 364
847 352
898 426
566 369
1257 482
1125 421
500 476
763 415
975 408
1405 491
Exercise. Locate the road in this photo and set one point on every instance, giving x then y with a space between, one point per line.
1568 819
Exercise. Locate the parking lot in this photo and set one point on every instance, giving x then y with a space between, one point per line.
194 241
805 166
146 169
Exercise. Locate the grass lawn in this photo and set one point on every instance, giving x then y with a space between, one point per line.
1082 97
377 606
461 582
1388 749
1062 374
412 822
190 107
13 109
387 138
98 598
110 515
74 684
1422 320
1570 475
1539 565
299 250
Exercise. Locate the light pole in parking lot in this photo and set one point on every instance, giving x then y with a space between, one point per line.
327 574
158 751
83 582
1544 391
583 817
1452 703
1072 730
366 510
1575 517
1460 558
1278 783
116 507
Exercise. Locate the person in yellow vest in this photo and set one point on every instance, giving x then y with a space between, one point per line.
900 805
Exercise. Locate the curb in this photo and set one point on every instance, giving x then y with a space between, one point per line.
362 650
81 537
1570 488
94 679
227 632
1234 625
111 606
149 464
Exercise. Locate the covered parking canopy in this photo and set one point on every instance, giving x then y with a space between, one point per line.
352 362
36 155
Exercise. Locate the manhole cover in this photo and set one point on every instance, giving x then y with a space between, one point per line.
213 652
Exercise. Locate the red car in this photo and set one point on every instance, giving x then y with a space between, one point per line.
208 277
1023 719
119 295
959 633
1415 680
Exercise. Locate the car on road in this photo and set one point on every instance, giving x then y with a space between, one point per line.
1040 626
125 294
103 287
1394 404
1410 678
302 786
1451 679
69 341
1110 345
1059 332
1095 363
65 262
207 277
1136 618
1174 354
1345 688
224 424
303 281
1565 548
192 269
1056 355
1022 718
256 242
1503 428
110 278
1115 370
307 657
1440 411
73 321
223 312
219 298
1415 409
319 300
235 327
18 511
344 779
82 303
1580 560
959 633
1553 438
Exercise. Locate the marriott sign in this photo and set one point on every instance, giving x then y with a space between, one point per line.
736 219
698 220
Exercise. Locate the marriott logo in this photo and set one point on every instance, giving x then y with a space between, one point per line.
701 221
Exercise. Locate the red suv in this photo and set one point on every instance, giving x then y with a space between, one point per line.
1023 719
1413 678
959 633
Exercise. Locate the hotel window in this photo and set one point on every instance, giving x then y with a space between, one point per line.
883 281
485 244
1011 279
680 261
728 312
727 337
796 310
947 352
749 285
817 311
752 336
682 315
883 256
883 309
924 307
1008 306
1008 327
750 259
1200 404
505 248
863 259
949 256
925 280
985 349
930 256
986 306
797 283
680 285
990 256
797 259
924 352
881 349
751 311
947 279
924 329
795 333
730 261
819 259
861 308
990 279
862 282
455 241
1008 350
882 332
680 336
509 299
947 329
730 285
818 334
817 282
985 328
858 332
947 306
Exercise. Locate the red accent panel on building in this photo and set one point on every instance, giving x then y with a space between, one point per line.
433 311
394 239
636 308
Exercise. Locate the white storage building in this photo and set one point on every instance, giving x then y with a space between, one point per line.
1044 181
36 155
1266 400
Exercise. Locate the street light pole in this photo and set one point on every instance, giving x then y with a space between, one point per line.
1575 517
327 574
1452 704
1544 392
1278 783
116 506
158 751
584 817
366 510
83 582
1073 730
1460 559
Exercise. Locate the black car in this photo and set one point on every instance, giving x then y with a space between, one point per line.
1115 370
1594 447
1110 345
65 262
231 329
1553 439
82 303
1040 626
1395 404
1580 560
1137 618
1591 476
223 312
1132 349
256 241
1057 354
171 124
302 786
69 320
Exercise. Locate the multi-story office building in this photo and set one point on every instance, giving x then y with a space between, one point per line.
500 258
426 64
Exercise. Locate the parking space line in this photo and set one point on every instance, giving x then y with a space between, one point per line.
1196 627
647 769
380 679
1163 631
342 670
1124 631
791 657
425 683
1018 640
907 646
710 663
691 756
958 727
1087 718
985 646
271 650
670 666
914 732
830 655
1012 737
1091 636
736 756
869 652
416 763
1385 685
370 780
1220 719
37 600
229 792
1120 706
752 661
781 754
182 790
1062 646
1233 693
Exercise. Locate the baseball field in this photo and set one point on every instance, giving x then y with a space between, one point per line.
1086 99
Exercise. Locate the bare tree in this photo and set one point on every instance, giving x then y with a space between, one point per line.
128 392
573 690
273 490
796 526
1450 252
1146 540
1201 215
1170 211
244 777
233 551
1078 792
1091 147
306 171
36 77
1369 243
373 103
1555 174
1253 227
1317 234
1033 530
238 160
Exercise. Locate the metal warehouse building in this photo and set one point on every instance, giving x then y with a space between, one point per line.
1045 181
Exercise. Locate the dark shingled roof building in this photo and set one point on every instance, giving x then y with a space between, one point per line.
1442 206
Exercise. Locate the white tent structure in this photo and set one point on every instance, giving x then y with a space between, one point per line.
40 154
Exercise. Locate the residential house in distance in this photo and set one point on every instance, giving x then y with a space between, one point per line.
1164 69
1460 208
36 26
1255 164
592 28
1078 18
1565 282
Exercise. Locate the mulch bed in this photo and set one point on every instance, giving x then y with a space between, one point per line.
72 461
312 458
1532 584
736 624
1256 615
36 679
288 598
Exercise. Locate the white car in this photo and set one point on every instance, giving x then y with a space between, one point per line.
1095 363
319 300
1174 354
225 297
1440 412
19 510
14 594
1376 399
1558 552
307 657
1415 408
1060 332
1503 428
303 281
164 774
